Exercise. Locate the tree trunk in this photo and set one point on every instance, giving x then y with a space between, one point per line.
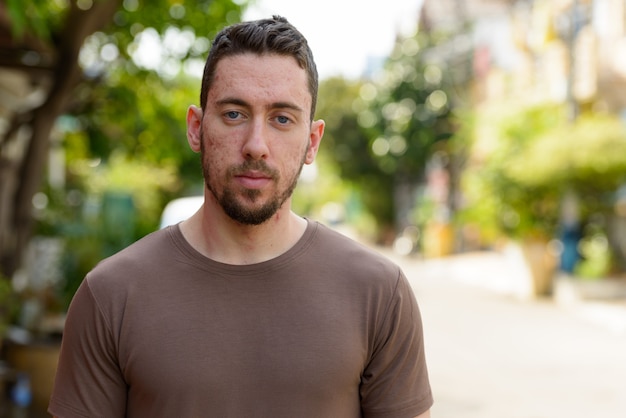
16 217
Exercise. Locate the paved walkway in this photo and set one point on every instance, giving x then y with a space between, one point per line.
493 354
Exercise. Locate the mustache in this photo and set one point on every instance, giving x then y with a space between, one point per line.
254 165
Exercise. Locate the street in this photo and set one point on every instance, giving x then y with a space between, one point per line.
492 355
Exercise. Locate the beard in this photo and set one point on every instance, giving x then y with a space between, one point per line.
235 206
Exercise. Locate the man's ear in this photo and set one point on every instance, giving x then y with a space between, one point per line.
315 137
194 127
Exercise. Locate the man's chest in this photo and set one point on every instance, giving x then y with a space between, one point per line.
236 348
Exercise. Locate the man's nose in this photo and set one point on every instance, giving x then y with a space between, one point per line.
255 145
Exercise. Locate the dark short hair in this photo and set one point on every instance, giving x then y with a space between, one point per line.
266 36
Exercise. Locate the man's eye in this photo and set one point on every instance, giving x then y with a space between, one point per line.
282 120
233 114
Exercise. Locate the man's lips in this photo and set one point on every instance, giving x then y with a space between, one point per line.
253 179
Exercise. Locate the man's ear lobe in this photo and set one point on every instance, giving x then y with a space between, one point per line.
194 127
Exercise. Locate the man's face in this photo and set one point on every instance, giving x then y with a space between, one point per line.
255 134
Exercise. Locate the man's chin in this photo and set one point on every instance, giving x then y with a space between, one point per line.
250 219
249 214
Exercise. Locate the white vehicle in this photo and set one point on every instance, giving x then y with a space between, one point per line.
180 209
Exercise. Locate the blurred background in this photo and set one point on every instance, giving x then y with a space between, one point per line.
479 143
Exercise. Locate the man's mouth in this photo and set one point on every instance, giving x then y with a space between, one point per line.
253 179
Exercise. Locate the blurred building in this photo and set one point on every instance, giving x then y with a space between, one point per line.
558 50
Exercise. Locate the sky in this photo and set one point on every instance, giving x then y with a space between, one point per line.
344 34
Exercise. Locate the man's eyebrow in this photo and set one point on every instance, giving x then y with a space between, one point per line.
276 105
285 105
232 101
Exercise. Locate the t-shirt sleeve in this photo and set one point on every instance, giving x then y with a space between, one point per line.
395 382
88 381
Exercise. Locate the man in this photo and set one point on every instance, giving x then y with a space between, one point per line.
246 309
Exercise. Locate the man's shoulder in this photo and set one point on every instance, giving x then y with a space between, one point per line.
145 253
344 238
347 250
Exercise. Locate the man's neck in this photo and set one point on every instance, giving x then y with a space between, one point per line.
222 239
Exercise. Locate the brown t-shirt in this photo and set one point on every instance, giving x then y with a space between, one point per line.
328 329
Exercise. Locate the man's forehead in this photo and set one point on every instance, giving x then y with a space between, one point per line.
263 65
273 77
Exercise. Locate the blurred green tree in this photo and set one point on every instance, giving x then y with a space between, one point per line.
496 201
525 159
83 58
389 128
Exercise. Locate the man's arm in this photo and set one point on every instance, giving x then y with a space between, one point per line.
88 381
396 373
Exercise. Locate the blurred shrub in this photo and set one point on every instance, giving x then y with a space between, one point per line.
104 208
596 258
588 154
523 160
496 201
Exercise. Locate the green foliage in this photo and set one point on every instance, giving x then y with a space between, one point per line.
104 208
127 116
149 127
124 131
42 17
139 107
588 154
524 159
407 117
496 202
382 132
596 256
125 102
205 17
147 183
46 18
